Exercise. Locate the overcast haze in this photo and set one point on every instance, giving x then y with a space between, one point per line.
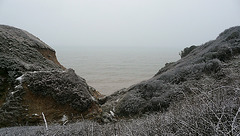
162 23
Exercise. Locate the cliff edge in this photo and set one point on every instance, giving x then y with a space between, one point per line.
32 82
213 65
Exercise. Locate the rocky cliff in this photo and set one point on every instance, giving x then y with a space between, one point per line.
212 64
32 81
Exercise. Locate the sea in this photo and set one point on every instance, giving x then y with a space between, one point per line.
109 69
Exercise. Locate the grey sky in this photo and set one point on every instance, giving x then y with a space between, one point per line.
162 23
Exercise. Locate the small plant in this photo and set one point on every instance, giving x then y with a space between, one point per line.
187 50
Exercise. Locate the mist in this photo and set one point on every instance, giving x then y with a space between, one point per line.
169 24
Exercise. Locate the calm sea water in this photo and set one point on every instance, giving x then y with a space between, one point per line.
109 69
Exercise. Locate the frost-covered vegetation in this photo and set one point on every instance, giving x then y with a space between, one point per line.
187 50
197 95
205 112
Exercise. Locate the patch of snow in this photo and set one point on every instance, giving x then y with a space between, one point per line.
12 93
34 72
20 78
112 113
18 87
41 71
64 118
117 100
93 98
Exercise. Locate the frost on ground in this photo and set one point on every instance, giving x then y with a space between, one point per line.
20 78
213 112
197 95
209 60
33 81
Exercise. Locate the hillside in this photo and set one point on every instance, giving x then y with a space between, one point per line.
32 81
197 95
210 61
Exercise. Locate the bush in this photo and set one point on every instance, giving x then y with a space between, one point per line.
187 50
215 112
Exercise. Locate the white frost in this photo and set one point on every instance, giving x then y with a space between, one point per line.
93 98
18 87
64 118
20 78
12 93
112 113
35 114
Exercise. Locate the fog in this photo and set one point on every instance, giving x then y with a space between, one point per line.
171 24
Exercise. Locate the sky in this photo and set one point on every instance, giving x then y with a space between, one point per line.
122 23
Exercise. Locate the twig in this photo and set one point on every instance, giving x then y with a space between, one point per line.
128 129
65 122
82 117
234 120
220 119
45 121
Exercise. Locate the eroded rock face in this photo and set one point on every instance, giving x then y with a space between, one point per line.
32 81
65 87
19 52
172 82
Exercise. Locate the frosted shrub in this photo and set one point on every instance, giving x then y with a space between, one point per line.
214 112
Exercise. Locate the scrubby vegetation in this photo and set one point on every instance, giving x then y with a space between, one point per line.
187 50
210 60
197 95
205 112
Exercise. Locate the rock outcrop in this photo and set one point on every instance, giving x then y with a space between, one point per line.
32 81
206 64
